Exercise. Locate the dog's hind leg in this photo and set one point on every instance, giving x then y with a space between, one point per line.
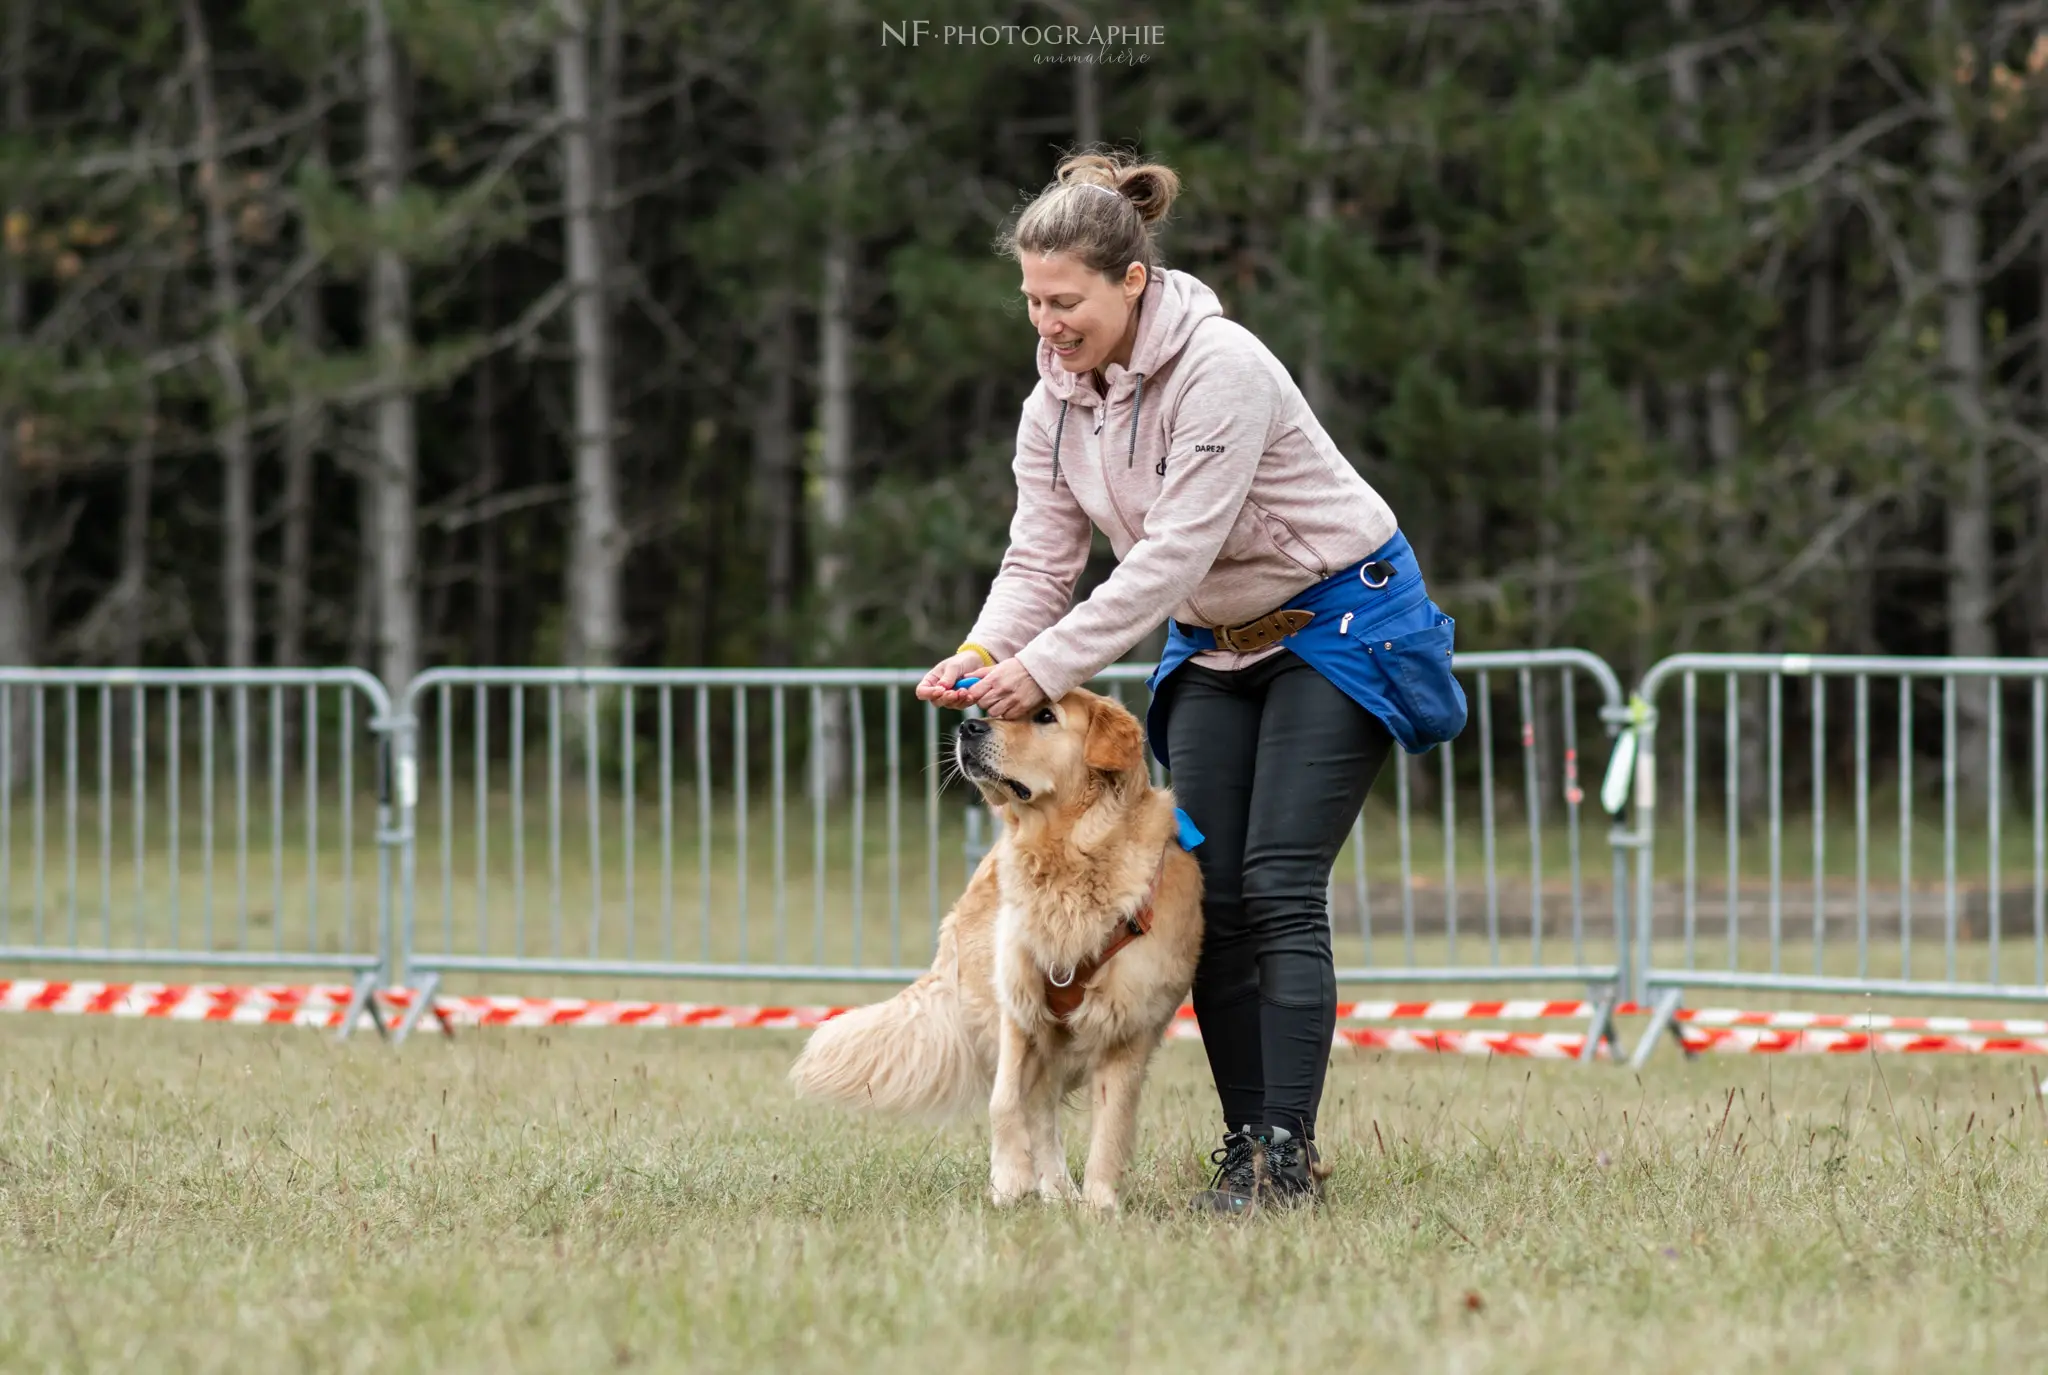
1113 1121
1021 1078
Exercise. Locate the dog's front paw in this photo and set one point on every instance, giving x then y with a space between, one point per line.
1008 1183
1100 1196
1057 1186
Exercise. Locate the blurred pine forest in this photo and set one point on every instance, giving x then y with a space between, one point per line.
413 332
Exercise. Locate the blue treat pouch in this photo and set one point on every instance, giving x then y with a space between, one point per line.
1189 837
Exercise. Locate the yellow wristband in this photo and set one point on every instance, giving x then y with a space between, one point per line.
988 660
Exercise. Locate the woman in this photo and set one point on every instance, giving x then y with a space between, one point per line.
1302 644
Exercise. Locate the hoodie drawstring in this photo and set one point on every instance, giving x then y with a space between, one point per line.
1137 405
1059 430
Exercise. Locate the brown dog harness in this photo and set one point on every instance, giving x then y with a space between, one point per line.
1063 999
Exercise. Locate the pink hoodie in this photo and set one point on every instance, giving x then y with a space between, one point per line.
1221 495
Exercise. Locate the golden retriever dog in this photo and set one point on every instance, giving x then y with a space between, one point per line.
1088 857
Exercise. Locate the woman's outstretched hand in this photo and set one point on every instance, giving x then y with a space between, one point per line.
1005 692
937 686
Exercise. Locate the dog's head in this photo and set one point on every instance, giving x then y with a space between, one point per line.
1059 756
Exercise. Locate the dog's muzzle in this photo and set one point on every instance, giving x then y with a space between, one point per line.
970 751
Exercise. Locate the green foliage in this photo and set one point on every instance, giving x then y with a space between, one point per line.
1755 429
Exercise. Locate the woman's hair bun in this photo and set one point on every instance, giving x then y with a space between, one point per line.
1150 186
1083 212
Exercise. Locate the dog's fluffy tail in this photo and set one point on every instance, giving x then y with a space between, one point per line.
912 1054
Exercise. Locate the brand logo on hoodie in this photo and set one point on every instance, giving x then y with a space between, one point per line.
1208 448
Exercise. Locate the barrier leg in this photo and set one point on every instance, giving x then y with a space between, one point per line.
361 999
1600 1027
422 1003
1662 1012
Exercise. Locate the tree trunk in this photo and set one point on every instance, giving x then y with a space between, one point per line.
238 575
1317 97
1681 428
835 482
1859 624
396 461
611 66
1548 600
363 644
301 440
835 422
1549 387
1639 556
776 471
2039 628
131 596
1724 434
598 544
1087 105
1723 437
1971 594
18 629
484 424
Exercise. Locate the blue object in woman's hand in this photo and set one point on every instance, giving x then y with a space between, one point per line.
964 684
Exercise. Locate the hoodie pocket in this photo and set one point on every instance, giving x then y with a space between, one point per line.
1289 543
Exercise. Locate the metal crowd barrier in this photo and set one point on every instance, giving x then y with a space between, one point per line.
791 825
652 823
198 820
1842 887
798 825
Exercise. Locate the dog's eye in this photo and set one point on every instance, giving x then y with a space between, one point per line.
1046 717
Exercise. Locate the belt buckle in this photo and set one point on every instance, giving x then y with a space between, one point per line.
1365 571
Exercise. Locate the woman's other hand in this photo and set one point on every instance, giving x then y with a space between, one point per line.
1007 691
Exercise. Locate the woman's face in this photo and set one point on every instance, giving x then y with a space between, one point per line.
1087 318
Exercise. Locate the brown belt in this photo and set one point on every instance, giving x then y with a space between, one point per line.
1267 630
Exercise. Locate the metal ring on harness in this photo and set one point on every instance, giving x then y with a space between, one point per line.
1365 568
1060 983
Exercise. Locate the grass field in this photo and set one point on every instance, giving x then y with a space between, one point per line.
203 1198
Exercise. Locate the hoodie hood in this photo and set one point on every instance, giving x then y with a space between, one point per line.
1173 304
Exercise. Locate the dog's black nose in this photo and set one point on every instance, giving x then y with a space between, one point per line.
974 729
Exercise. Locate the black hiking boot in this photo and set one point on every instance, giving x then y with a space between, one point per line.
1235 1187
1286 1168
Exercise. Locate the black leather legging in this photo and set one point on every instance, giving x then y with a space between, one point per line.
1272 762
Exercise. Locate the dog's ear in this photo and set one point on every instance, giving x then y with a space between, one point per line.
1115 743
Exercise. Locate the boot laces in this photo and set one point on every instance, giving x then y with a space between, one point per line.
1233 1160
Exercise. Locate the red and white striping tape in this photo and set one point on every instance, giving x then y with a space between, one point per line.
1702 1018
1760 1041
1452 1010
1531 1045
569 1012
1705 1030
274 1004
1705 1017
323 1005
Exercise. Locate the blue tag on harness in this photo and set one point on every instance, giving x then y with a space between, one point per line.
1189 836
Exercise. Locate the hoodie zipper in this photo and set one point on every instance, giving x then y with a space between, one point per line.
1109 483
